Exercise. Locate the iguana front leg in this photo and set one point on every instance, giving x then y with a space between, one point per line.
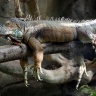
82 69
24 65
38 56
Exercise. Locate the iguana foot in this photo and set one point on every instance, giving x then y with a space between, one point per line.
82 70
35 72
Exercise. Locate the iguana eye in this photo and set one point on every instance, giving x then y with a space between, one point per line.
7 23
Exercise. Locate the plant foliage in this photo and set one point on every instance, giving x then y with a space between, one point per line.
88 90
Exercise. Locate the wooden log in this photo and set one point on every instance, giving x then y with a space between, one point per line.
13 52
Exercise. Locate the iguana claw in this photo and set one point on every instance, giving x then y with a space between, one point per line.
26 83
35 72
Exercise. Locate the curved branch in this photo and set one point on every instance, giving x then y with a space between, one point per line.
61 75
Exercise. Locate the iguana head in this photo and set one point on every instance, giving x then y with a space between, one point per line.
14 29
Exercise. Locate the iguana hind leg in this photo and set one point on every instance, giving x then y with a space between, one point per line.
38 56
24 65
82 69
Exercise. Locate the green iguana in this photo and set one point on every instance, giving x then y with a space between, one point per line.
41 31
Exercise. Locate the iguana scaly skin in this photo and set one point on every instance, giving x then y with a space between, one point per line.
42 31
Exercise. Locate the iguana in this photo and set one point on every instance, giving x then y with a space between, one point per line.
37 32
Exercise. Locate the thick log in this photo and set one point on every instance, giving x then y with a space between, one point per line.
13 52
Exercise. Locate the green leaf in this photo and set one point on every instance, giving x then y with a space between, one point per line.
85 90
93 93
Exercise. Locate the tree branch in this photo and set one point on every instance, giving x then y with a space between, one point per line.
33 8
18 11
13 52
